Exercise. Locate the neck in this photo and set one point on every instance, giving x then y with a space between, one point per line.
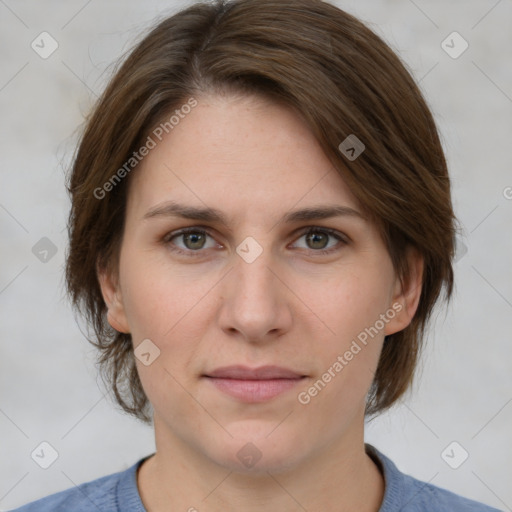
339 477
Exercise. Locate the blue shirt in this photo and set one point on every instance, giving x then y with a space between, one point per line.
119 493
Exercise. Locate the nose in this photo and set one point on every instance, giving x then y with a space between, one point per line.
256 302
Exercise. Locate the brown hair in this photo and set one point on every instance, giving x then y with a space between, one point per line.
334 72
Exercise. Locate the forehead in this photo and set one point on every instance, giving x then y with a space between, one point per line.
238 153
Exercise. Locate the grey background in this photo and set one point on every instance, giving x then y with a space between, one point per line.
48 383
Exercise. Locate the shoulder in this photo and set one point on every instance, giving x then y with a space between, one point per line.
407 494
116 492
423 496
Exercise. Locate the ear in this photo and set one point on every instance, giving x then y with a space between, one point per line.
112 296
406 295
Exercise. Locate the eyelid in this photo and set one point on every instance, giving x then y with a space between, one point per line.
189 229
331 231
342 239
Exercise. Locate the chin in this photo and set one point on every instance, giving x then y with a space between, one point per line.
256 449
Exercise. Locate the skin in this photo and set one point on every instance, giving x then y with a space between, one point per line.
293 307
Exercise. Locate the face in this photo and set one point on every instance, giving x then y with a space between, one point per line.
261 279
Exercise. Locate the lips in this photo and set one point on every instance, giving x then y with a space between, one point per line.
253 385
261 373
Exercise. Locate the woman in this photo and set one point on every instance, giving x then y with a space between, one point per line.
261 225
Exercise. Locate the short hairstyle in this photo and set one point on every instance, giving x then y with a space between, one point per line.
333 71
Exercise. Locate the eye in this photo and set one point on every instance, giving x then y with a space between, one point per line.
317 239
193 238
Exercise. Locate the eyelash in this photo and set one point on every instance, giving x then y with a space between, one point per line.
310 229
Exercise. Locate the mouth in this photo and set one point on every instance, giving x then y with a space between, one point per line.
254 385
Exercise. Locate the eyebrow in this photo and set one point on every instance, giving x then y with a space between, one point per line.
207 214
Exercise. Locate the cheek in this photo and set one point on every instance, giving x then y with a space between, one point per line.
350 309
170 308
155 297
351 302
151 305
161 307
